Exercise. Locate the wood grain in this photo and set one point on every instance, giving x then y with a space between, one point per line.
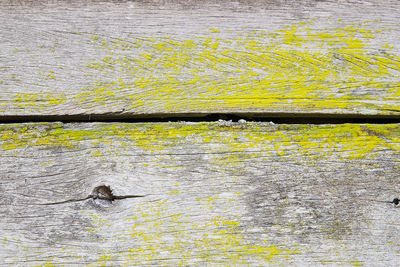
218 193
138 58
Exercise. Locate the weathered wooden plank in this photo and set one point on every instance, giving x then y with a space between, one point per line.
218 193
137 58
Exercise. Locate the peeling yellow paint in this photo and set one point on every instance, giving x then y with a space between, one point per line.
213 240
238 141
297 68
198 235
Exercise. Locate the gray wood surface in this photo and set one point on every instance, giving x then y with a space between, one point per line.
136 58
218 193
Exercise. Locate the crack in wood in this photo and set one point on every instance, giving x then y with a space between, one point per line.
102 192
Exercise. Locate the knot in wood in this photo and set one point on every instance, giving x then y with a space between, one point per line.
103 192
396 201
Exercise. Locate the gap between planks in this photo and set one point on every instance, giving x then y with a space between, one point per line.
285 118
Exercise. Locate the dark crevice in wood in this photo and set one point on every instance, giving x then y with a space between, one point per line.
101 192
279 118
